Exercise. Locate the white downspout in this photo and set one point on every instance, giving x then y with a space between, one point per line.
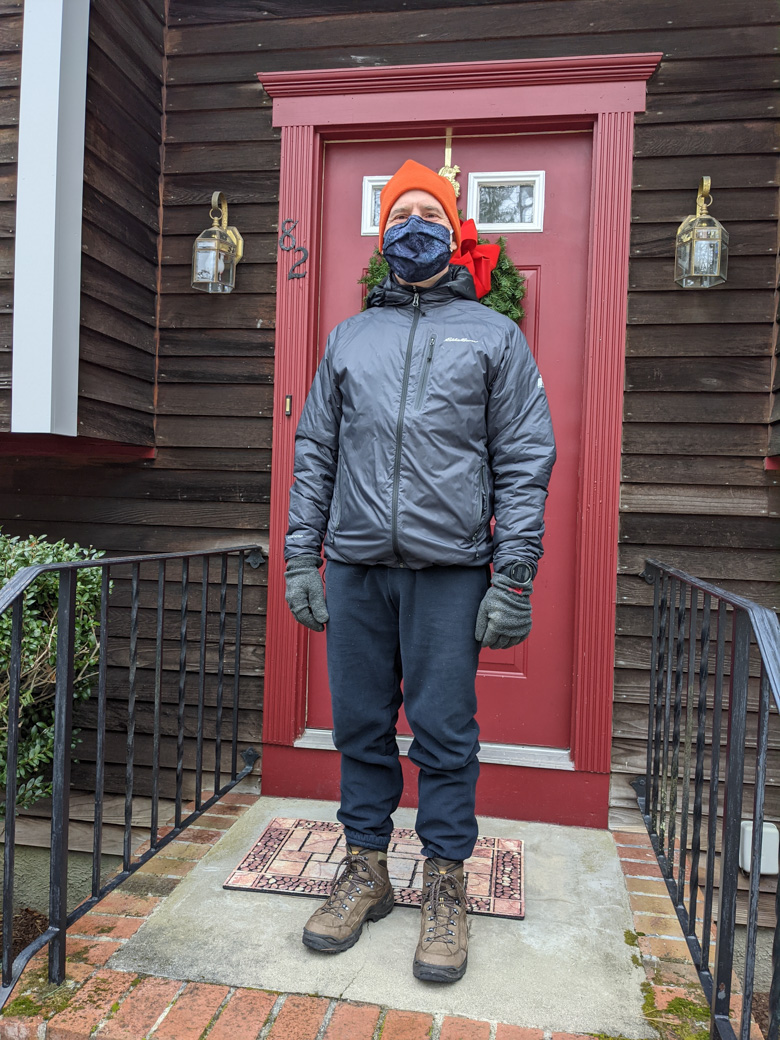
47 266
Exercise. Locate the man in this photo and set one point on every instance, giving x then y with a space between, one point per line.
427 417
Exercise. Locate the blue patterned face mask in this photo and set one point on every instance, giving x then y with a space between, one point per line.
417 249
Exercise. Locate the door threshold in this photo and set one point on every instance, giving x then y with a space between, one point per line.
528 755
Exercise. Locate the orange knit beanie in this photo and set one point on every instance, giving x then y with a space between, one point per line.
414 177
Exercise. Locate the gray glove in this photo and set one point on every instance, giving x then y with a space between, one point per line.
504 615
305 595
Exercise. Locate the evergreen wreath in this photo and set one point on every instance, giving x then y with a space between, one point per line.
507 285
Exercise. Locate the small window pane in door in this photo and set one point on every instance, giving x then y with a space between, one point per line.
372 189
506 201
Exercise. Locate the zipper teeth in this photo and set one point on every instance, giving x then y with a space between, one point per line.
399 426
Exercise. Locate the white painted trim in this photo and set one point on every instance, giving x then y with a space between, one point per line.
47 265
367 225
535 178
527 755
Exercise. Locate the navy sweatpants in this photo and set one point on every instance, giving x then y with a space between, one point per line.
389 623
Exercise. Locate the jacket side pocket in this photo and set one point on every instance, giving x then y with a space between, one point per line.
335 502
484 498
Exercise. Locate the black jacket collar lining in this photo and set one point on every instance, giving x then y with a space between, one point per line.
455 283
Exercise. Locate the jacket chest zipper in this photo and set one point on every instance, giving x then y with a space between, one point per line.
426 371
399 426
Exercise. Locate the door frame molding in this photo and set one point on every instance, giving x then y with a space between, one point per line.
601 91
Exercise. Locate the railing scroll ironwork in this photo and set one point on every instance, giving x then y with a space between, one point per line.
688 709
149 660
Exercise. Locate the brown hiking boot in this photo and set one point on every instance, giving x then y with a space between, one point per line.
442 952
361 891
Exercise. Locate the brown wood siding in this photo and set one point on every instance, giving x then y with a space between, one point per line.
698 364
121 220
121 214
11 17
698 375
208 485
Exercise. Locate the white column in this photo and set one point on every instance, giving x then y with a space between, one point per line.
47 268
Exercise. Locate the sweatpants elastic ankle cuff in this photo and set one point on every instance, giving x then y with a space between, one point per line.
365 841
430 854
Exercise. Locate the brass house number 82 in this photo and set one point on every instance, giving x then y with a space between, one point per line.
288 244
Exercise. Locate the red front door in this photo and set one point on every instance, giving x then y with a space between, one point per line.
524 693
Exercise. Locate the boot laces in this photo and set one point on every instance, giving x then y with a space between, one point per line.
446 899
347 883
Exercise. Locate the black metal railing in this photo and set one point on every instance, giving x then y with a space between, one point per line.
146 605
703 635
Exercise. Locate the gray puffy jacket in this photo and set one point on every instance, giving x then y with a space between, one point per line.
426 417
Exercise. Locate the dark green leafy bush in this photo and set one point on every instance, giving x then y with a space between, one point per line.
39 656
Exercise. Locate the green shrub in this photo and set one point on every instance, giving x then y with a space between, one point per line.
39 657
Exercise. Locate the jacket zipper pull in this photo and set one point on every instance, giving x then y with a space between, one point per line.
416 299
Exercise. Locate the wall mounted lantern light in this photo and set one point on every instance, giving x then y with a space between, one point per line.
702 253
216 252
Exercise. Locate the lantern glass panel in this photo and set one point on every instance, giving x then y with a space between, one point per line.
701 256
682 256
204 267
706 253
214 262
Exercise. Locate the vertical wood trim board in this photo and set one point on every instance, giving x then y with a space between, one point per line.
597 529
296 359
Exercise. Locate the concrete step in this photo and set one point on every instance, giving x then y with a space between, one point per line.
565 968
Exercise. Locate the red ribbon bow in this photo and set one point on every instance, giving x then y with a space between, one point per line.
479 260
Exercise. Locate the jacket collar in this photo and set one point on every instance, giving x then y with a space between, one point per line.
455 283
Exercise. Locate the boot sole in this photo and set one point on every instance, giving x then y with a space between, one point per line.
434 973
325 944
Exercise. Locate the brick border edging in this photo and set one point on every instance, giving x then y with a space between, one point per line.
673 995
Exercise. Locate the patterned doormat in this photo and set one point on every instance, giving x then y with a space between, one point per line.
300 857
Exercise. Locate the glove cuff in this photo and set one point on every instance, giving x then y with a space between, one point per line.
501 581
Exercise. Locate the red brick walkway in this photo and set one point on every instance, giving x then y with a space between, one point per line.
96 1001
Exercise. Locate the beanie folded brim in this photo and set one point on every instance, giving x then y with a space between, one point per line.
413 176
